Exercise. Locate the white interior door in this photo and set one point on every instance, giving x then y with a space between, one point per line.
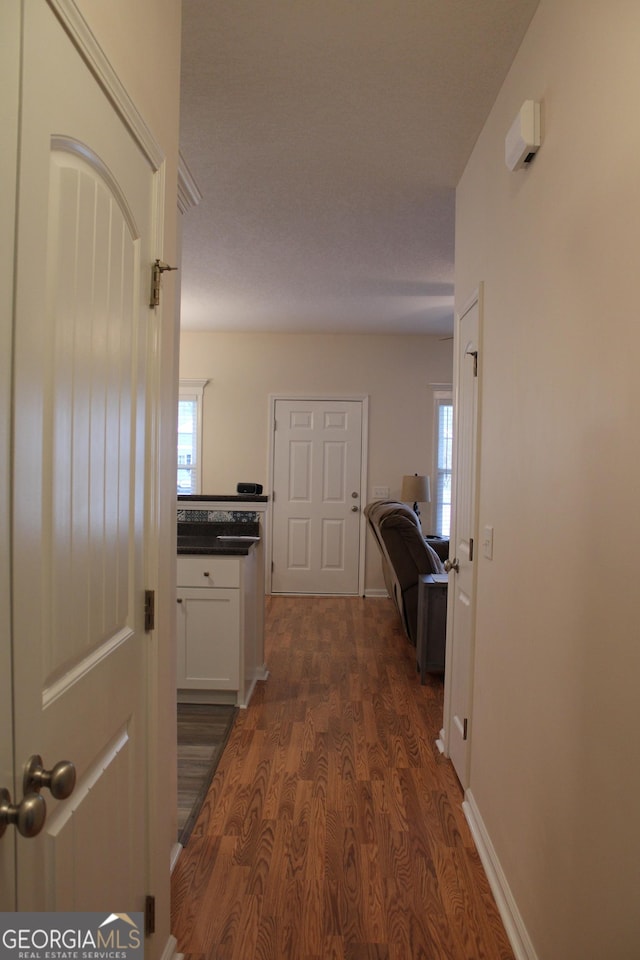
317 508
86 209
463 549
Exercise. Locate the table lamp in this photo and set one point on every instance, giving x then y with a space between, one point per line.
416 488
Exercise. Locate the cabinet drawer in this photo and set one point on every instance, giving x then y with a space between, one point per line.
209 571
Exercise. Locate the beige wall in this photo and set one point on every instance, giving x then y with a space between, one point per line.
142 41
245 369
554 768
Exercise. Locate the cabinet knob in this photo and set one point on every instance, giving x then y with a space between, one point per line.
206 573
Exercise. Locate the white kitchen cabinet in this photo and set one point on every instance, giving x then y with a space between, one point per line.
216 622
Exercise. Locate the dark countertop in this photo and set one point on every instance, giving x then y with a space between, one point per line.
221 498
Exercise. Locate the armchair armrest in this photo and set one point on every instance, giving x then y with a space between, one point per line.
432 624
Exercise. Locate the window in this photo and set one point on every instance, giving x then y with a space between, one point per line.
443 445
190 436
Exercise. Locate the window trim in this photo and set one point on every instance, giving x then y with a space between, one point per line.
194 390
442 396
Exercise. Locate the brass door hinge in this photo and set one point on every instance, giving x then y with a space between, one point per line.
158 268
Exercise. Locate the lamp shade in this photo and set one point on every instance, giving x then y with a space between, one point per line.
416 489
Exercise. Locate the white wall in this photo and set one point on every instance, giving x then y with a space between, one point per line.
244 369
554 767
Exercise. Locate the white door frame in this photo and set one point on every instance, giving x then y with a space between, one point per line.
9 105
361 398
448 710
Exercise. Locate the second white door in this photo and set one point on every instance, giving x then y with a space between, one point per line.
317 509
462 580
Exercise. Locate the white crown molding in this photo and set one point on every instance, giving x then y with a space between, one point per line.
188 191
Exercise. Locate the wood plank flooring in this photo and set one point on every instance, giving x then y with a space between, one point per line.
203 730
333 828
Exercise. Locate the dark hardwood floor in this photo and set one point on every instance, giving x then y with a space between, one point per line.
333 827
203 730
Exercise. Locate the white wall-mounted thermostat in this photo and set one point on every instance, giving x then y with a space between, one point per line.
523 140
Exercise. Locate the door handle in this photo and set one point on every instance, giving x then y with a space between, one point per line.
60 780
27 817
354 509
450 565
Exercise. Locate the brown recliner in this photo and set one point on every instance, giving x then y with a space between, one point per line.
405 556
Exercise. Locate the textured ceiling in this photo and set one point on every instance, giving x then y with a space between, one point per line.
326 138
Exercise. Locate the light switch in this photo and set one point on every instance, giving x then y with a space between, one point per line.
381 493
487 543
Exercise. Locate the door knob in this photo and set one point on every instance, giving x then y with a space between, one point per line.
60 780
450 565
27 817
354 509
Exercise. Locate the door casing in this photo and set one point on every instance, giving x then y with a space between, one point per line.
9 105
458 693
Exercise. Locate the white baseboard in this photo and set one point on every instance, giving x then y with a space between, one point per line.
176 850
248 694
507 906
376 593
169 952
